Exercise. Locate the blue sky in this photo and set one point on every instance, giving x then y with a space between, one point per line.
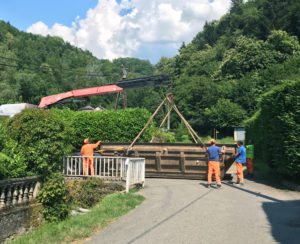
23 13
116 28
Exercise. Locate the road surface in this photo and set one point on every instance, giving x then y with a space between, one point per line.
185 211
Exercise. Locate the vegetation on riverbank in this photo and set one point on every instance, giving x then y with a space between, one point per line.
83 226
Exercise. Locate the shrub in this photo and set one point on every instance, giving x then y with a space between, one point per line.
12 162
42 138
3 136
53 196
275 129
184 139
3 157
88 192
109 126
163 137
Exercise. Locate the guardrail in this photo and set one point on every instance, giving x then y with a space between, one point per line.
131 170
18 191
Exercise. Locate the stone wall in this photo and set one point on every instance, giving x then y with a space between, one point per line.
19 220
19 211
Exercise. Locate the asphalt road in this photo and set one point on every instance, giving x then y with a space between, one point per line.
185 211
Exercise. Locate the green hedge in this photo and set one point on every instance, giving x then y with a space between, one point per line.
42 139
107 126
275 129
34 142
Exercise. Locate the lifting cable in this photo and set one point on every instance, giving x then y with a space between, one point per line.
170 99
163 121
146 125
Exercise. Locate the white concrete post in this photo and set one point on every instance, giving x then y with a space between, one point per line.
128 171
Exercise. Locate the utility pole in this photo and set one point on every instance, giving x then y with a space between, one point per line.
168 121
124 76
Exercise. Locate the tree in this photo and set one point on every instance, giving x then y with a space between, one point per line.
225 114
283 42
193 95
235 6
248 55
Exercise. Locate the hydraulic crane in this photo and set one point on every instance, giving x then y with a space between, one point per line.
118 87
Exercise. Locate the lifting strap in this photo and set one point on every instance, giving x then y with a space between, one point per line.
163 121
146 125
170 99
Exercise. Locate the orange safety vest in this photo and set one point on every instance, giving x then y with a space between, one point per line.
88 149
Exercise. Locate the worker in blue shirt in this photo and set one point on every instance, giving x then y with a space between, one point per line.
214 163
240 160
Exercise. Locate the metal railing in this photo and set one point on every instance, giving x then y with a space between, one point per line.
135 172
18 191
131 170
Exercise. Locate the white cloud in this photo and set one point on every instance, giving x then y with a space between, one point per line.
39 28
156 23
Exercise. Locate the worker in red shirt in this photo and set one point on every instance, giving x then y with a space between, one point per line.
87 152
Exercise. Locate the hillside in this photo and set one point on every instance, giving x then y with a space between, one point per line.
32 66
220 76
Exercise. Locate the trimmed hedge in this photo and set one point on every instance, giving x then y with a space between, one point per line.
42 138
275 129
34 141
107 126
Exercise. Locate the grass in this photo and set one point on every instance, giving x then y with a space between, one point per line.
265 172
206 139
83 226
223 140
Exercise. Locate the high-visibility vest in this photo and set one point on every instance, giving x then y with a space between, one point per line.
250 151
88 150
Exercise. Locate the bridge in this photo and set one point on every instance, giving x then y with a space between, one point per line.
171 160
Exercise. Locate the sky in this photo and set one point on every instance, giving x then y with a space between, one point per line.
109 29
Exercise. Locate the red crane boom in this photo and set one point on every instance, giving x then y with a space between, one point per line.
45 101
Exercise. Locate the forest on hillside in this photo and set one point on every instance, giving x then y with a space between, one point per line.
218 78
32 66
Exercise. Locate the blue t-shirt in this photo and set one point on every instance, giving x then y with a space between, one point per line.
242 157
213 152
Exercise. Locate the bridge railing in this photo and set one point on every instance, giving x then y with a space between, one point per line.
131 170
135 172
18 191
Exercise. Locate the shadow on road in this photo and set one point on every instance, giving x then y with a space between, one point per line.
260 179
258 194
283 216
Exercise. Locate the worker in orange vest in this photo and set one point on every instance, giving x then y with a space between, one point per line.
214 163
87 152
